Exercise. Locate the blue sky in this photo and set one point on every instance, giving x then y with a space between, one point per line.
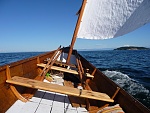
43 25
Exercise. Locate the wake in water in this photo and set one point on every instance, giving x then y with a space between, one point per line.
131 86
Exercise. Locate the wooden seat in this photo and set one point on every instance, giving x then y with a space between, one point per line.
59 89
64 70
61 63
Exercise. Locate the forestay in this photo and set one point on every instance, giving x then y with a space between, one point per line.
103 19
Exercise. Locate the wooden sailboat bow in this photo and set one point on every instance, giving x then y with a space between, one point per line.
76 30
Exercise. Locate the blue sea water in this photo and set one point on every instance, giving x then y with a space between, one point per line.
130 69
6 58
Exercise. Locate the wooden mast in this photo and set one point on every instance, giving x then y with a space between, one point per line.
76 30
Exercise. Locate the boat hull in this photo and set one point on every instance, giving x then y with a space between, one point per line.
100 83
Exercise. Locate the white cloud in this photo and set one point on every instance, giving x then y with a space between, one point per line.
127 45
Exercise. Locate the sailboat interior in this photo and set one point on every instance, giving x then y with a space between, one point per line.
64 81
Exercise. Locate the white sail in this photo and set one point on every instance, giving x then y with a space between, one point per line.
103 19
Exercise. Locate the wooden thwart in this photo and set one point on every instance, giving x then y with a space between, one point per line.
59 89
61 63
64 70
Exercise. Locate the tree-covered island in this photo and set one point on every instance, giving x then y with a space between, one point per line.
131 48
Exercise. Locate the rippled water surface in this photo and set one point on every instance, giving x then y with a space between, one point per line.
6 58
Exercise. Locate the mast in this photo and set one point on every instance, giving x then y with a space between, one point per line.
76 30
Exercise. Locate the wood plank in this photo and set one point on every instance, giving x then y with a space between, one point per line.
64 64
59 89
61 63
64 70
60 69
75 101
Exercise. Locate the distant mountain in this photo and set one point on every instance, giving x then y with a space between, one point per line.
131 48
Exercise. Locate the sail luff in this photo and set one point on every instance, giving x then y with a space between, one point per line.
76 30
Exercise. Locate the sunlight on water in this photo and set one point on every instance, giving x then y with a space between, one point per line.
124 81
132 86
129 69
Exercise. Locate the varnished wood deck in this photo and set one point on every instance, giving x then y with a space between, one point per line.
46 102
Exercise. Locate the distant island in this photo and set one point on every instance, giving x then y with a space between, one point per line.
132 48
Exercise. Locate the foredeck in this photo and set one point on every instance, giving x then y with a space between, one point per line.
46 102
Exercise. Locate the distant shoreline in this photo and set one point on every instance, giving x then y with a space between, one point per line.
132 48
